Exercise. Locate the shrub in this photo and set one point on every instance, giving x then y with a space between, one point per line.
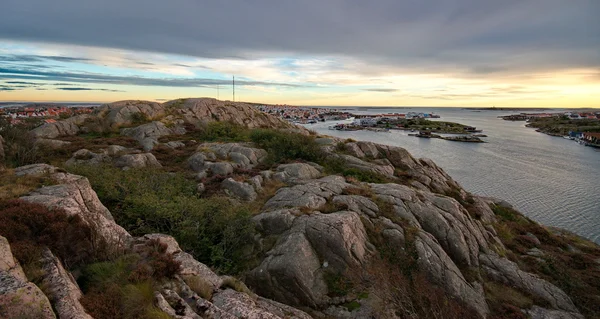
31 227
139 118
213 230
338 166
19 145
286 146
222 132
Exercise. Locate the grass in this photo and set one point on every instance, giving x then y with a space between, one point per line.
12 186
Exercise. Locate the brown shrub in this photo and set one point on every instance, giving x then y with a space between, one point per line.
30 227
103 304
155 263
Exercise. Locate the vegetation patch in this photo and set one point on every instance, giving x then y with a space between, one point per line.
214 230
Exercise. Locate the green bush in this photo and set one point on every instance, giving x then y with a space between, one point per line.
286 146
215 231
338 166
19 145
223 132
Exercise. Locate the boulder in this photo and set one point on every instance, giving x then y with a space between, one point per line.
244 306
243 191
290 172
147 134
87 157
358 204
137 161
51 143
220 168
290 273
312 194
67 127
175 144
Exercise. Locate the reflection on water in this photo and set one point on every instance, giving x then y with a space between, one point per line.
552 180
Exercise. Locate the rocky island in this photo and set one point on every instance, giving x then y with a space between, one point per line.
199 208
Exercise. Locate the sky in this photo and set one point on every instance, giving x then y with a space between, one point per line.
509 53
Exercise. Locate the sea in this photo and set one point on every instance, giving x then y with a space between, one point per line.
552 180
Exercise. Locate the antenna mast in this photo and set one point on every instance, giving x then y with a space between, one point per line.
234 88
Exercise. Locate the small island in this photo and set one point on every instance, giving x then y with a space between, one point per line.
425 128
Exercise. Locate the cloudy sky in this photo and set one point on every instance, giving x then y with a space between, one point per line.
304 52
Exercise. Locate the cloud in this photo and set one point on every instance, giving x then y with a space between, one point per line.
40 58
85 89
381 90
465 36
21 82
82 77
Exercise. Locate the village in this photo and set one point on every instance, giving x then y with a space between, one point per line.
42 113
581 127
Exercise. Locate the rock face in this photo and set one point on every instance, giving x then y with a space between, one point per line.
19 298
62 290
75 196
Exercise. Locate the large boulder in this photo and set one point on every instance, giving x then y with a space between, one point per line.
137 161
241 190
147 134
293 271
294 171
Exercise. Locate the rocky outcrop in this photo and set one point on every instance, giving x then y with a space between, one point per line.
124 113
75 196
116 155
312 194
297 171
236 155
224 302
67 127
203 110
19 298
507 272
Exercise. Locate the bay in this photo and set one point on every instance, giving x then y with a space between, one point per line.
552 180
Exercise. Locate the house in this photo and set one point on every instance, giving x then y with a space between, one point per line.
593 138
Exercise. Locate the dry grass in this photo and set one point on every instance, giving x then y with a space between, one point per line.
200 286
13 186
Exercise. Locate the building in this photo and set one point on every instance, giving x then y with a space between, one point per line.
593 138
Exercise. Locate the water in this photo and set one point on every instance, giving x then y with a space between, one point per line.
552 180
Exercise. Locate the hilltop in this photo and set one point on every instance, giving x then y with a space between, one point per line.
199 208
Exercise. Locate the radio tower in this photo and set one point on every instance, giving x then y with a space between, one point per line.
234 88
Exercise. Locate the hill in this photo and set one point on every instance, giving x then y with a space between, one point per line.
198 208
